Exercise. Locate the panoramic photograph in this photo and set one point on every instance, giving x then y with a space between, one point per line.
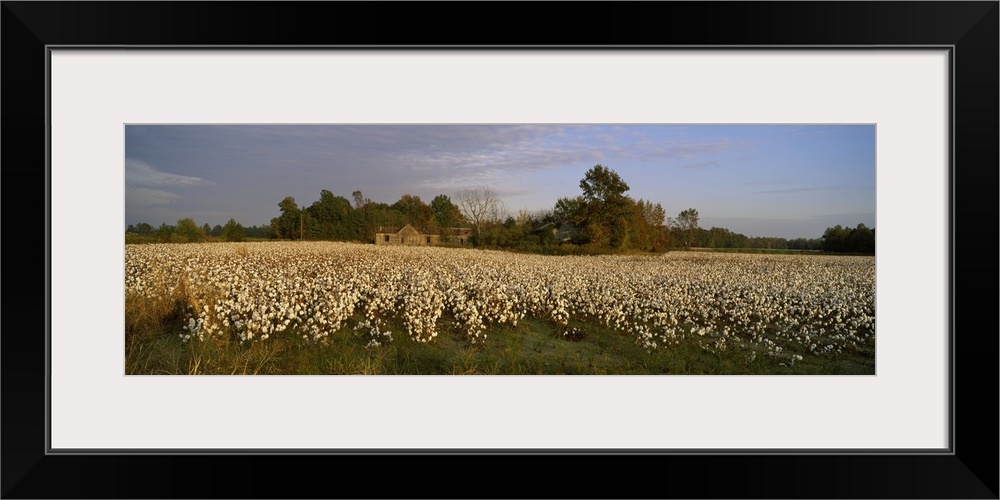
496 249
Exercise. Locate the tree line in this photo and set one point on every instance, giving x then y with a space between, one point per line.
859 239
187 231
334 217
601 219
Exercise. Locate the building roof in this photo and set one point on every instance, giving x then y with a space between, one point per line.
410 230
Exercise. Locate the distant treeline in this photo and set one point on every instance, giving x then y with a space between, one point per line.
601 220
718 237
860 239
188 231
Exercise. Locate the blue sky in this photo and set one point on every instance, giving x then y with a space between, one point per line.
760 180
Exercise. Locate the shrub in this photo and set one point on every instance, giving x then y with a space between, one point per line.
233 231
189 231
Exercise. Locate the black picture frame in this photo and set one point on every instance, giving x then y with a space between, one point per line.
969 470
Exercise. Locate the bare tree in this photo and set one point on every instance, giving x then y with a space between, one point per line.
359 199
480 205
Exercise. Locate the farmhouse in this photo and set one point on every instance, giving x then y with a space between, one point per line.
412 236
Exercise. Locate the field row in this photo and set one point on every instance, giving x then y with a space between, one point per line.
789 306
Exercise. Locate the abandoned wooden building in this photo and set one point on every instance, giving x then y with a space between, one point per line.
411 236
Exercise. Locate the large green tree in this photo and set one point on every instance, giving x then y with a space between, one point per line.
446 213
608 209
603 185
289 224
415 211
329 218
687 226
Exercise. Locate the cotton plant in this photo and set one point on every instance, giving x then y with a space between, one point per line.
787 306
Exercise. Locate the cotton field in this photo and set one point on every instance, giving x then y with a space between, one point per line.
789 306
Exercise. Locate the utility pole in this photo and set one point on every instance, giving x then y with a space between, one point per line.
301 224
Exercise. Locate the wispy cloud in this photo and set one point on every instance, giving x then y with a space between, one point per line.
145 186
458 156
140 173
679 149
